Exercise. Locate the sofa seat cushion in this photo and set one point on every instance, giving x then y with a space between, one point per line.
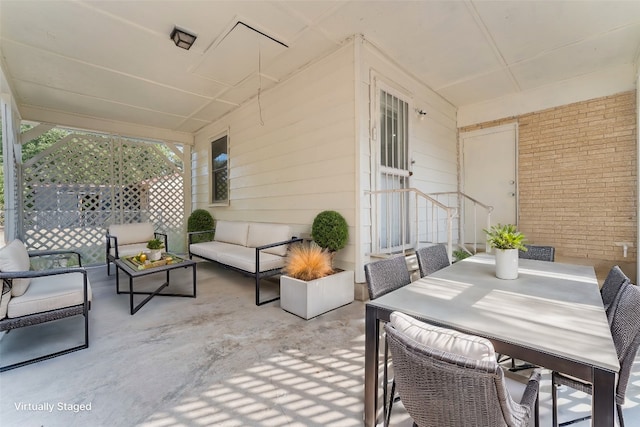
261 234
14 257
234 232
49 293
245 259
130 250
132 233
209 250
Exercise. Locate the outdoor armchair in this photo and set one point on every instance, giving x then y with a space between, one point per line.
31 297
130 239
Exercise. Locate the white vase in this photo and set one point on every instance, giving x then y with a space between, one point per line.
507 264
155 254
312 298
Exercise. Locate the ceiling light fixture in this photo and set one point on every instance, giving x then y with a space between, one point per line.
182 39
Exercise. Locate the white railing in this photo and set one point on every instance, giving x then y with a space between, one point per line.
404 219
465 202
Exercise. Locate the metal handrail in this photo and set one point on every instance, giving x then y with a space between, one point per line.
430 213
476 204
436 206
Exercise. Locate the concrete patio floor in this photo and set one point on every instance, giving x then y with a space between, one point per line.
217 360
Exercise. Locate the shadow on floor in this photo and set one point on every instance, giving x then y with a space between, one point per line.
217 360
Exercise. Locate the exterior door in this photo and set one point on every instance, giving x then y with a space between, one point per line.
489 170
393 172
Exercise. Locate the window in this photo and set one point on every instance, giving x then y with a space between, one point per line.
219 171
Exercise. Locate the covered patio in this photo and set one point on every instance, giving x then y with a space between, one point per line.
216 360
294 100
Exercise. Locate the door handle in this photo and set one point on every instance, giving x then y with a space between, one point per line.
512 194
512 182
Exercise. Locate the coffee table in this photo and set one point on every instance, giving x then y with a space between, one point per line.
134 270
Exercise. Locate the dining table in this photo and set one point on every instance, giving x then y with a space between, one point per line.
551 316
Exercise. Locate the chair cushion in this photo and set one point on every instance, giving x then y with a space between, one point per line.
49 293
4 300
132 233
455 342
232 232
261 234
14 257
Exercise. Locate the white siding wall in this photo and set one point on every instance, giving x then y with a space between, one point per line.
313 152
301 162
433 140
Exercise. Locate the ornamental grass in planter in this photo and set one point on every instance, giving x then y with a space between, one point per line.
310 286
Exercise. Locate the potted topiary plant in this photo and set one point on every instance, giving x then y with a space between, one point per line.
310 286
507 241
200 220
330 231
155 247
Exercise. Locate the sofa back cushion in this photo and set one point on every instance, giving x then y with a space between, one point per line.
14 257
261 234
132 233
232 232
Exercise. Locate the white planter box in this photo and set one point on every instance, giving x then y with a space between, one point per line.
310 299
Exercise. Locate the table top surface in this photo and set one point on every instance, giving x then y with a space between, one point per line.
551 307
131 271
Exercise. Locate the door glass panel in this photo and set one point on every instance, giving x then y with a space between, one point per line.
394 174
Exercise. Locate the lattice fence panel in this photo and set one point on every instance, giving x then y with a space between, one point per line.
75 189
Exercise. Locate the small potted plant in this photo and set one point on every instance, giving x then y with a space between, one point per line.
155 247
507 241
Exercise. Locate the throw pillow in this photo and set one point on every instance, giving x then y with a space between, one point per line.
14 257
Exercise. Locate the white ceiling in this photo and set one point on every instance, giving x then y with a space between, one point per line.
114 60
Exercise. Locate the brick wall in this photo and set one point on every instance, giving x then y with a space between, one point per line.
577 176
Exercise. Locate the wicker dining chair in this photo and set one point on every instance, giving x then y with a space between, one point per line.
382 277
538 252
610 290
449 379
431 259
625 330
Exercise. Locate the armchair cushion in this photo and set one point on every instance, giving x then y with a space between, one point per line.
14 257
472 347
50 293
132 233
